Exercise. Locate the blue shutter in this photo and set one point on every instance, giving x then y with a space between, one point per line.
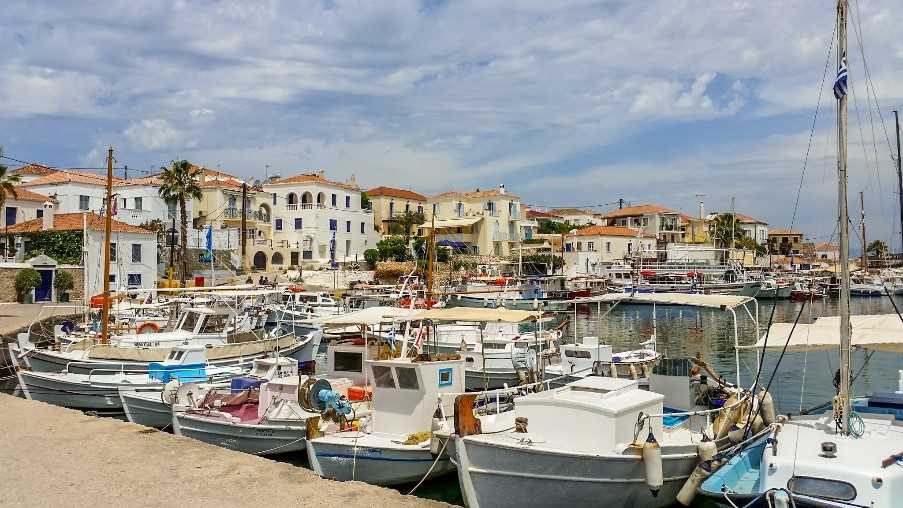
333 224
298 223
278 224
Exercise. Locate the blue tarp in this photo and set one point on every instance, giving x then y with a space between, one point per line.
453 244
187 372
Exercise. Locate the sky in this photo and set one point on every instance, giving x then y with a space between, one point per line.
568 103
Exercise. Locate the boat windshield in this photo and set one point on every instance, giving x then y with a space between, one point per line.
189 321
215 323
821 487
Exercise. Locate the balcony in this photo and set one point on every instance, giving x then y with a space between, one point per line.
291 208
254 215
501 236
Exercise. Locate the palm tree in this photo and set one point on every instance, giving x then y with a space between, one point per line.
878 248
720 229
8 182
181 183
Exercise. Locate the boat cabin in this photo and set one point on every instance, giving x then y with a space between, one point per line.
311 298
184 362
347 360
205 321
578 357
591 415
405 392
274 368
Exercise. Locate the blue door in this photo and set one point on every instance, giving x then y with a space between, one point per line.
43 293
10 215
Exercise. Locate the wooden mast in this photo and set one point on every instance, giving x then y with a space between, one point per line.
107 228
843 220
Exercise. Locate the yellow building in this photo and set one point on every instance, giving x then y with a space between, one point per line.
480 222
389 203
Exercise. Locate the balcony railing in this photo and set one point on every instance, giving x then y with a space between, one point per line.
291 208
500 236
234 213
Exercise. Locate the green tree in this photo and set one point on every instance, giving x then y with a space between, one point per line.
556 228
180 183
725 227
62 282
371 256
26 280
365 201
392 248
403 223
748 243
63 246
877 248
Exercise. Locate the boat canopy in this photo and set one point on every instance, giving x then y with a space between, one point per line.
476 315
693 300
369 316
879 332
215 291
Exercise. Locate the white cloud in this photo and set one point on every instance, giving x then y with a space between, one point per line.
153 134
27 91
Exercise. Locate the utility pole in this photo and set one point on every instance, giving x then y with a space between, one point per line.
865 256
107 228
620 203
244 233
125 172
899 176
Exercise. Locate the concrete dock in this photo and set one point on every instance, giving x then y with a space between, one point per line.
59 457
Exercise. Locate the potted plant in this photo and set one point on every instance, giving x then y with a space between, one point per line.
26 281
63 284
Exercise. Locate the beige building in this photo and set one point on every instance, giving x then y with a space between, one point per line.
220 206
388 203
480 222
663 224
784 241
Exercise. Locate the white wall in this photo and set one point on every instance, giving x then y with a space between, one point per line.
25 210
315 234
123 266
585 258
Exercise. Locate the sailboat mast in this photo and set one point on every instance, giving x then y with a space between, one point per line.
843 221
107 228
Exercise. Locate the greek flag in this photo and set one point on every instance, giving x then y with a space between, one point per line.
840 84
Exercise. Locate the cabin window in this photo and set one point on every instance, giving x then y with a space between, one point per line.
176 355
571 353
188 323
382 377
347 362
494 345
445 377
407 378
215 323
823 488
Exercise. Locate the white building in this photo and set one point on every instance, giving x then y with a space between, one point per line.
577 217
588 250
25 205
133 251
316 220
137 200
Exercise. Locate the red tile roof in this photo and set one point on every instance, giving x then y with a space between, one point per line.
23 194
632 211
313 178
827 247
746 219
475 194
73 221
569 211
33 169
395 193
74 176
783 231
608 231
536 214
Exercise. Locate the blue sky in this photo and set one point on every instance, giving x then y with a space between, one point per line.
570 102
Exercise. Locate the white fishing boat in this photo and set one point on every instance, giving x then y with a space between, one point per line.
154 409
590 357
394 446
99 389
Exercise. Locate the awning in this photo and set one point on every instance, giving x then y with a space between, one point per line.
880 332
692 300
476 315
370 316
457 222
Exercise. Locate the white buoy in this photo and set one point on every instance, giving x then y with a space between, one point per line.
706 449
688 491
652 460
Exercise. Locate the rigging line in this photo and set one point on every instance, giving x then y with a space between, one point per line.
868 167
821 90
857 29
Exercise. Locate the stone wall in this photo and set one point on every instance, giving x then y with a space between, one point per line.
78 281
8 284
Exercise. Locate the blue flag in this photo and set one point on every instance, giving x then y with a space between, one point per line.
840 84
208 256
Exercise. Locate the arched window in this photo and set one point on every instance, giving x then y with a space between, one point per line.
291 199
307 198
277 258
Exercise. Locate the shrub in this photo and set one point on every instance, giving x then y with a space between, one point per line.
63 282
371 256
26 280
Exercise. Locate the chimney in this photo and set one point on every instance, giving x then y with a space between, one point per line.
701 210
201 177
47 218
502 189
352 181
321 174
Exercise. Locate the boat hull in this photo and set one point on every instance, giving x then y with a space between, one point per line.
496 476
144 410
242 437
374 465
75 395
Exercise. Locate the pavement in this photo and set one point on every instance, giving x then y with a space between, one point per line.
14 316
61 457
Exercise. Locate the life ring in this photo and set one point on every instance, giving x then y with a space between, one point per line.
147 327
